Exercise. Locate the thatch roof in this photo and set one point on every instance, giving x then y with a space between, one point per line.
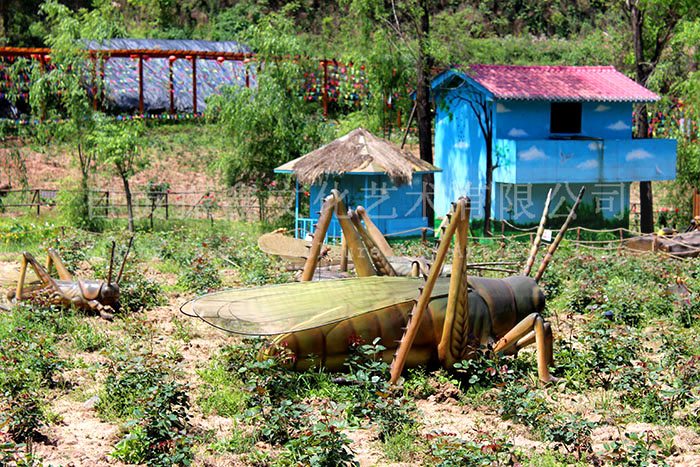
358 152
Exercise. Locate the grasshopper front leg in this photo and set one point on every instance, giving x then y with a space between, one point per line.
105 311
529 330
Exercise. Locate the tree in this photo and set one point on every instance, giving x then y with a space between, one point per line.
653 23
59 91
117 145
269 124
482 109
408 24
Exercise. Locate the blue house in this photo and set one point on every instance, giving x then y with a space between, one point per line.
368 171
549 127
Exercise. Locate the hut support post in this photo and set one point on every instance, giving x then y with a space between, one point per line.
172 88
297 225
194 84
141 83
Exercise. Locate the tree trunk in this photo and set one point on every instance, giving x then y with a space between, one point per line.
424 114
489 185
643 70
129 207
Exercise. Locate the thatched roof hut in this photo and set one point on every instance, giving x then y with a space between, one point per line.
361 153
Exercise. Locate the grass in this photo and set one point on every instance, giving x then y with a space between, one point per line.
404 445
221 392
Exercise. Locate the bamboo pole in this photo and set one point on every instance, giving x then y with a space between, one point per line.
555 244
538 237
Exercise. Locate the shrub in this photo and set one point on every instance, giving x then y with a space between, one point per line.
71 247
129 381
27 361
321 443
21 416
610 351
373 395
523 405
137 293
447 450
141 389
571 432
200 274
636 450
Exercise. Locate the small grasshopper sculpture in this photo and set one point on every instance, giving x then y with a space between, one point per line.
92 295
421 322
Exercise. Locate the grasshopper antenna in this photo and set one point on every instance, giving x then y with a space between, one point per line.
555 244
121 270
538 237
111 264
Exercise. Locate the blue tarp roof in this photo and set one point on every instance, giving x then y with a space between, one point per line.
121 76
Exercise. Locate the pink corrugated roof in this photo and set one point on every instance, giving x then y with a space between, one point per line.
559 83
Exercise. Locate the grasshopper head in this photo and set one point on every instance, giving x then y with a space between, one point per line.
109 295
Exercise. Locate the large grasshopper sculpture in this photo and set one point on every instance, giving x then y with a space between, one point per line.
85 294
435 320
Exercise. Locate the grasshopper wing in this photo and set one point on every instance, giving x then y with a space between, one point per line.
278 309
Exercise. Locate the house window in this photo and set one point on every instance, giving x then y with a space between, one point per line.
566 117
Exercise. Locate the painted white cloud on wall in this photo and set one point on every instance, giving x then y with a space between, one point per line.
619 126
593 146
517 132
589 164
462 145
638 155
602 108
533 154
501 109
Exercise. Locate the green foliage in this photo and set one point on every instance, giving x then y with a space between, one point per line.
636 450
75 204
254 266
523 405
141 388
88 338
447 450
200 274
373 395
138 293
403 445
239 442
28 359
322 443
131 379
71 247
571 432
14 454
268 125
21 416
221 392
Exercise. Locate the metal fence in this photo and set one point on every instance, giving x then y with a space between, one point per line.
239 203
